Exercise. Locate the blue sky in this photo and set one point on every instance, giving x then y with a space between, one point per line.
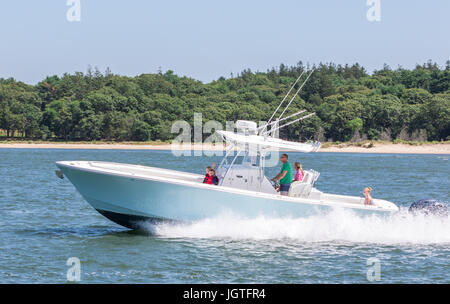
209 39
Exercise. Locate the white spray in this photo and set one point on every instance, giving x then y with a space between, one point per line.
339 225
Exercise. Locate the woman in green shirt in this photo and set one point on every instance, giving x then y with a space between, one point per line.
285 175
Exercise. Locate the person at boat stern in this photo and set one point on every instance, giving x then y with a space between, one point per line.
367 197
285 175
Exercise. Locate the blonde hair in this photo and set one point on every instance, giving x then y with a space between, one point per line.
368 189
298 166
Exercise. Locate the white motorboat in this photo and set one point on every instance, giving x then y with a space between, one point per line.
131 194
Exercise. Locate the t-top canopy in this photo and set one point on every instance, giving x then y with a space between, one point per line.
264 142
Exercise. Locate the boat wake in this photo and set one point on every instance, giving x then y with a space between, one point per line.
339 225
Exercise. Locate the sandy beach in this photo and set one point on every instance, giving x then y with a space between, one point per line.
394 148
377 147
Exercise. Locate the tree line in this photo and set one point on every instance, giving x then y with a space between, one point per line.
351 104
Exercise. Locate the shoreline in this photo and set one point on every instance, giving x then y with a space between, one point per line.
381 148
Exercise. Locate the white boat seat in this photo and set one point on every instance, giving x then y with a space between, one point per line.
303 188
310 177
305 178
300 189
313 176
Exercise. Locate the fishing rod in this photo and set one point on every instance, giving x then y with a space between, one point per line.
296 93
277 121
289 92
289 123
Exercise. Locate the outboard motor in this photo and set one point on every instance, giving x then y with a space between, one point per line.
429 207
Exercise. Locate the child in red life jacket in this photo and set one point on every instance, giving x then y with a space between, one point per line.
211 178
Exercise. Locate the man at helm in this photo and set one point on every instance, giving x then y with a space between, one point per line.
285 175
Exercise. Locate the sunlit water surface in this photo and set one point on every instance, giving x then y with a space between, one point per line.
44 221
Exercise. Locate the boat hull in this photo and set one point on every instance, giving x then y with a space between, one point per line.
131 221
130 201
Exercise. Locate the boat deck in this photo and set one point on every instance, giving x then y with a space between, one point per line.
136 170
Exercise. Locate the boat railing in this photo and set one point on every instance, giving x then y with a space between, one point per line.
228 167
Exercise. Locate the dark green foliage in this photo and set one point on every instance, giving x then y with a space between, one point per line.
349 103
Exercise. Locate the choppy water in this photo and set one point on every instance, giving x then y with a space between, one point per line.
44 221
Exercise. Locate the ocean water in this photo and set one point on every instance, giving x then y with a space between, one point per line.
44 221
